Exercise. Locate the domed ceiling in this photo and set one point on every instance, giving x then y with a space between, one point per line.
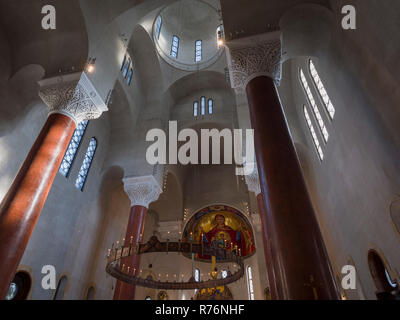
188 22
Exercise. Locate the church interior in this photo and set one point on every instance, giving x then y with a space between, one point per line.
84 214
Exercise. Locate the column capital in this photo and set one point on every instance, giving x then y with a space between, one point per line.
142 190
254 56
72 95
253 181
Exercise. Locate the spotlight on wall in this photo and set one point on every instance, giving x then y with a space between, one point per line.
90 65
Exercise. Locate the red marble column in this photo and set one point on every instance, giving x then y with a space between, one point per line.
134 233
268 251
300 251
25 199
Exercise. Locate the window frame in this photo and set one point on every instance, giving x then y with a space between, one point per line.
203 106
314 106
159 24
175 37
250 283
198 51
66 175
80 188
210 107
330 114
314 137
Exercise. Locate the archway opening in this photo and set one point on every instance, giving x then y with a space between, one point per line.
20 286
385 286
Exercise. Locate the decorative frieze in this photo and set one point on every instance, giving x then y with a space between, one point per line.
72 95
142 190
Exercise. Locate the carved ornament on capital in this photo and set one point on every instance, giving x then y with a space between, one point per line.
72 95
142 190
255 56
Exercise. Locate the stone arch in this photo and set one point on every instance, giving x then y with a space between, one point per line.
380 273
306 30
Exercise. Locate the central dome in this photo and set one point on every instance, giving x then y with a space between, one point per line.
185 34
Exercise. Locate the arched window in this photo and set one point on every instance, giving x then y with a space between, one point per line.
313 134
175 47
20 287
123 62
203 105
90 293
73 148
199 50
220 36
210 106
321 89
197 275
195 108
130 75
250 287
158 27
224 274
314 106
128 65
83 172
61 287
380 275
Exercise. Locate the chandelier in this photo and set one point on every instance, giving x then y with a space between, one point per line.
126 274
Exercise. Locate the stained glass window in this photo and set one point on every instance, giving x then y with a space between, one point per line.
128 65
250 287
203 105
83 172
175 47
313 134
210 106
199 51
72 148
321 89
314 106
195 108
129 80
158 27
123 63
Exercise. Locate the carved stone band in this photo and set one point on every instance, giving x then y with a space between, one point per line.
142 190
254 56
72 95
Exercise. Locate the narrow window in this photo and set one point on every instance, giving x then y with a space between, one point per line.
210 106
61 287
158 27
83 172
198 52
195 108
128 65
197 275
130 75
321 89
314 106
123 63
203 105
250 287
72 148
313 134
175 47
